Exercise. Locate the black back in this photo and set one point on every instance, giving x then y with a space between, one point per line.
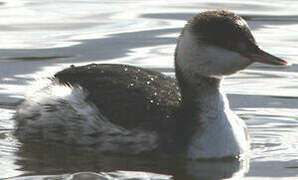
128 96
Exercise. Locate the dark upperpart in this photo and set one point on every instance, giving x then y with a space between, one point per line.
222 28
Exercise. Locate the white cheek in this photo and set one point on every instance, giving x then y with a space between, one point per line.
194 57
224 62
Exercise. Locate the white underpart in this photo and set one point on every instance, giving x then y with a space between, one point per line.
207 60
57 113
220 132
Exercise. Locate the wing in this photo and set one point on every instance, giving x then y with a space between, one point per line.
128 96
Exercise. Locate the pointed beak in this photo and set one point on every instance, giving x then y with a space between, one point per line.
263 57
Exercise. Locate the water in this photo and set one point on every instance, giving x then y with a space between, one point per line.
39 38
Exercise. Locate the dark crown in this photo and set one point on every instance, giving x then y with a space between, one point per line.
222 28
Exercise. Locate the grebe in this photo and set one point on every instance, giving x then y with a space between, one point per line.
125 109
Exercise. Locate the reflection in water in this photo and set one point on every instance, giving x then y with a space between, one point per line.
36 159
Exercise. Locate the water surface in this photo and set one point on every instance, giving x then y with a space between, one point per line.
39 38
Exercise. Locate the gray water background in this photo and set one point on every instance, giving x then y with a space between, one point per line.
39 38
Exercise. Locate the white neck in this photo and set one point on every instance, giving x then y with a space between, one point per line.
216 130
219 132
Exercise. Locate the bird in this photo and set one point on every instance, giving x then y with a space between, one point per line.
124 109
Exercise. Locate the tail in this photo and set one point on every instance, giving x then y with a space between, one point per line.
57 113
